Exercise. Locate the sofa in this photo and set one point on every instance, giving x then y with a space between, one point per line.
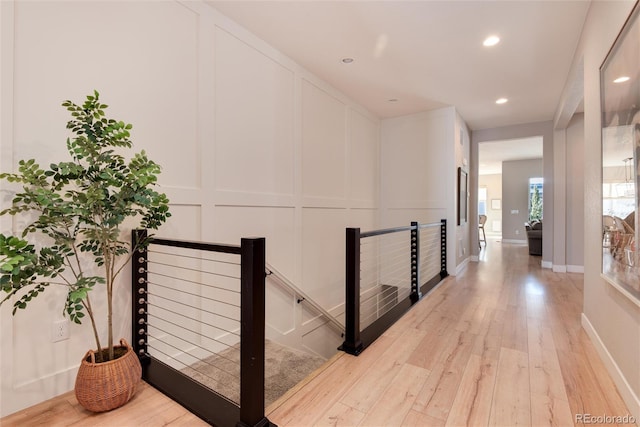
534 237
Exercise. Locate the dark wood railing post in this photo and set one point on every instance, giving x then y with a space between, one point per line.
352 343
443 249
139 295
415 262
252 332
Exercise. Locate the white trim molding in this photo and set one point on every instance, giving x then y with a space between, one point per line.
559 268
546 264
626 391
460 267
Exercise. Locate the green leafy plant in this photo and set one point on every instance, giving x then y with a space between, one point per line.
535 212
80 207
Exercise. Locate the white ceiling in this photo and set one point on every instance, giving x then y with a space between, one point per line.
428 54
492 154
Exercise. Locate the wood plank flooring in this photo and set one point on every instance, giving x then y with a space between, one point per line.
499 345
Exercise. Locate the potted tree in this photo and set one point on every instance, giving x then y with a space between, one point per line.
75 213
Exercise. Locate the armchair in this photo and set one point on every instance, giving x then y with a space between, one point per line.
534 237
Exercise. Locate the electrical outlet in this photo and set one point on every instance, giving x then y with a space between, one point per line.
517 231
60 330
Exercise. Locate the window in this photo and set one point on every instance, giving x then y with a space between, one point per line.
482 201
618 199
535 198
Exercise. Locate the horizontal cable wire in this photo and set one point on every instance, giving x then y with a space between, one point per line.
392 247
388 257
388 246
381 291
390 304
189 269
387 273
373 298
217 381
376 296
192 294
364 250
398 268
385 308
191 330
197 283
429 260
193 257
233 375
213 353
186 305
188 366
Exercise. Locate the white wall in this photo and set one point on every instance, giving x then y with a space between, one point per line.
420 155
568 195
251 144
462 144
544 129
493 184
515 197
611 319
575 194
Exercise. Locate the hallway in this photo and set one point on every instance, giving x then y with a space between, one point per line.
501 345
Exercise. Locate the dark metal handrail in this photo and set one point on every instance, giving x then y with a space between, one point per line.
356 340
304 297
199 399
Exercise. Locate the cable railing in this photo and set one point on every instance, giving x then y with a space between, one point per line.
387 271
199 326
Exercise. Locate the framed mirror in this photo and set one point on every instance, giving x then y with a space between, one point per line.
620 97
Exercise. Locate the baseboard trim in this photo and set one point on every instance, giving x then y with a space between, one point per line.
628 395
575 269
559 268
460 267
475 258
546 264
35 391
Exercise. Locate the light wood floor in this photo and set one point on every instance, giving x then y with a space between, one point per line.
499 345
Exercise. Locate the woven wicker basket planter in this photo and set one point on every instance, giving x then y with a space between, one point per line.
105 386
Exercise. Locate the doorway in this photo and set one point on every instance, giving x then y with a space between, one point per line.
505 168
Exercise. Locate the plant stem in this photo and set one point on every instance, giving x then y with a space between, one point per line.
108 265
87 306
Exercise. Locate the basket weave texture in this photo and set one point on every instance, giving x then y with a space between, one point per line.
105 386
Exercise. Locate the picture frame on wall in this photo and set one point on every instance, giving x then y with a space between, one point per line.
462 195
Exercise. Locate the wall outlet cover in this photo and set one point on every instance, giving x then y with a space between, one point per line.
60 330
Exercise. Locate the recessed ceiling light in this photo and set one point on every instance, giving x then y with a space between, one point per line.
491 41
501 100
622 79
347 60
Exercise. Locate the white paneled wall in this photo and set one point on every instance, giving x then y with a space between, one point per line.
251 144
324 147
254 120
418 173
